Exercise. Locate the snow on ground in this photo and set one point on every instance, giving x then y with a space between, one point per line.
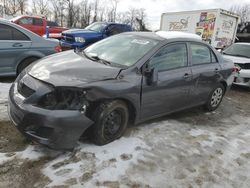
30 153
194 150
4 90
95 164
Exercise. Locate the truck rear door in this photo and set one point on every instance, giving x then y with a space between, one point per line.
226 28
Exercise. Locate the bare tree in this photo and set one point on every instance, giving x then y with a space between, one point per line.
22 4
243 11
85 13
41 7
12 7
114 9
58 10
96 4
140 18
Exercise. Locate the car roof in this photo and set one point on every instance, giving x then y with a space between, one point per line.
167 35
2 20
177 34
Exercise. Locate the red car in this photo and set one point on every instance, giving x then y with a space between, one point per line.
38 25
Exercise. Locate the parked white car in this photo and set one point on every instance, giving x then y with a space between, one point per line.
239 53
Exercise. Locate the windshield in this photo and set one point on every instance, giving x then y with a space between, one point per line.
123 50
237 49
98 27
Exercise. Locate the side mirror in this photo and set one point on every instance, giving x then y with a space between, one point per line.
220 51
151 74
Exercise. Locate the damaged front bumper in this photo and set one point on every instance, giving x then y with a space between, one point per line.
58 129
242 78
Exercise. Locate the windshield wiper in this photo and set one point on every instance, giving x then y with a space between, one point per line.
95 57
86 55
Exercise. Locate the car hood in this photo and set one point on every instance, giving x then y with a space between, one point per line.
81 32
236 59
71 69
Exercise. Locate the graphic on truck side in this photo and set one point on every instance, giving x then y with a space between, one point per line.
205 26
181 25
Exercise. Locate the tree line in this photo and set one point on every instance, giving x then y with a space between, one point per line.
77 13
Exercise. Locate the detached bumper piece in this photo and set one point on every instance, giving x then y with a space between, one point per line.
57 129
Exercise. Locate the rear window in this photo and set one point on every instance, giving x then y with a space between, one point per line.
37 21
10 33
52 24
25 21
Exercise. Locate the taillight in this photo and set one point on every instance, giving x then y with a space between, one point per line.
236 68
58 49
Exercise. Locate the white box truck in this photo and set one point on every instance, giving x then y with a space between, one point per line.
216 26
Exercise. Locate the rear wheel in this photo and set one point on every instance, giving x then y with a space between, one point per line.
26 62
215 97
111 119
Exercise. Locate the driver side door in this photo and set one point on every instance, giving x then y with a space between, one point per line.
173 83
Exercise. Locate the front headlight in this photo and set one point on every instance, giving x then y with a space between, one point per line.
65 99
79 39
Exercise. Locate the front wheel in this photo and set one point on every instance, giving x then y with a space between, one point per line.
215 98
111 119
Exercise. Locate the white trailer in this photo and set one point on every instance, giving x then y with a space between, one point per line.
216 26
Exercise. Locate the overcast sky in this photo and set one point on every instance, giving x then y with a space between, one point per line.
154 8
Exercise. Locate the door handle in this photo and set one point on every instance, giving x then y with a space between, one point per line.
186 75
17 44
216 70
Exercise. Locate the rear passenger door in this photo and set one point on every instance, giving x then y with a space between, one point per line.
205 70
13 44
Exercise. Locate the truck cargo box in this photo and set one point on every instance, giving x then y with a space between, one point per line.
216 26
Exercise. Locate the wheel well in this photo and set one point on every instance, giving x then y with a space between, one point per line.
224 84
131 108
23 60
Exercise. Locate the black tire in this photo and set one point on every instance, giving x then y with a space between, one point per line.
111 119
215 98
26 62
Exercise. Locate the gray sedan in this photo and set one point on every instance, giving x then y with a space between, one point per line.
20 47
124 79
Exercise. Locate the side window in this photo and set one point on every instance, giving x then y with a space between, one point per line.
10 33
170 57
113 29
124 28
26 21
18 35
5 32
200 54
37 22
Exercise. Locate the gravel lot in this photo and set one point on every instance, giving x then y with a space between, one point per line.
192 148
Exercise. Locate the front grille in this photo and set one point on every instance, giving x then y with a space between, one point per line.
24 90
68 38
244 66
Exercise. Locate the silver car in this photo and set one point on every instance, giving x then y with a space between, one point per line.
239 53
20 47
